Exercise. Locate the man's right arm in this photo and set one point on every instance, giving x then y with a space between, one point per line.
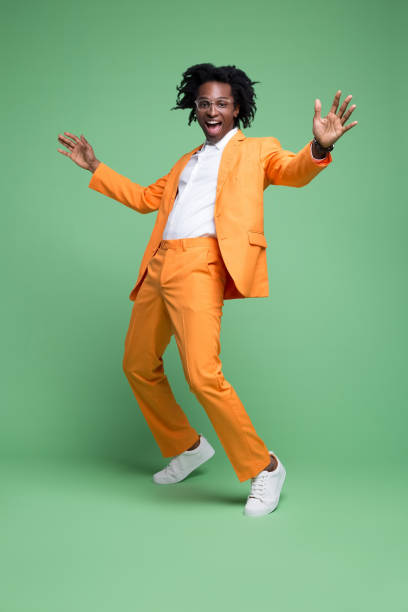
114 185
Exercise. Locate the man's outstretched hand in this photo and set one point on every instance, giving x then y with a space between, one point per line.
79 150
329 129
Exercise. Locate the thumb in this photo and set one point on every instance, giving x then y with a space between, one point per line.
318 108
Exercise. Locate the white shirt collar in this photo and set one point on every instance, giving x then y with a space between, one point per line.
221 143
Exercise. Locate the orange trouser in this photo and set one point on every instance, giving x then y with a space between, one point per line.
182 294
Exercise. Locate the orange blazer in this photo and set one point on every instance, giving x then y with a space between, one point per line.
247 167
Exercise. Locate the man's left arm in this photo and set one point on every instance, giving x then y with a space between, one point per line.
283 167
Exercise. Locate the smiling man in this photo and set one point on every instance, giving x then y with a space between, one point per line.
216 117
207 245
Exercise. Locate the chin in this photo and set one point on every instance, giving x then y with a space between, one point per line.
215 137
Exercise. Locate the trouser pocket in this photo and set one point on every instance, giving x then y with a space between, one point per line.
215 264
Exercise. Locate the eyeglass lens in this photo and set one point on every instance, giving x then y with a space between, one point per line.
205 104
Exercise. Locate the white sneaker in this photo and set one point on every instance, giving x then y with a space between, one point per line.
265 491
182 465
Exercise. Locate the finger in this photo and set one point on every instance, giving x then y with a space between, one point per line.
70 149
66 142
64 152
348 127
84 139
344 105
336 100
348 113
73 137
318 108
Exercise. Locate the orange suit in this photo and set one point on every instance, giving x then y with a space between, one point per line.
182 284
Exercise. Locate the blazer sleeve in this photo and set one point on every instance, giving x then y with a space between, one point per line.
114 185
283 167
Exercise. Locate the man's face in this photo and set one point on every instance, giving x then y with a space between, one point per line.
216 121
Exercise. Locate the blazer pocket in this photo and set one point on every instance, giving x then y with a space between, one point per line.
257 238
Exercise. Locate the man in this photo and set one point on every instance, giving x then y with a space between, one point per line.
207 245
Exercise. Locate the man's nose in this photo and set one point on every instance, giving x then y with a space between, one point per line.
212 111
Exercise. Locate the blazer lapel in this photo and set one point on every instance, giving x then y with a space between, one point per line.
176 176
228 159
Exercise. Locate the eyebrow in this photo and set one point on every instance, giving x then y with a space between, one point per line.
220 98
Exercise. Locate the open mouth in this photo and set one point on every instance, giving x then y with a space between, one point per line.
213 127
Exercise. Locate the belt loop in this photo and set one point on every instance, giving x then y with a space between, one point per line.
183 244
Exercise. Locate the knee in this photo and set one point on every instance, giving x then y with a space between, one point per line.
127 365
202 384
134 367
140 369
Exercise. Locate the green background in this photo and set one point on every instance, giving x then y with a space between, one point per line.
320 364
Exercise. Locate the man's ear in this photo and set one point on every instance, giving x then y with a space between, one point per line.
236 111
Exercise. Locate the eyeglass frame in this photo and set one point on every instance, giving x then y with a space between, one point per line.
227 102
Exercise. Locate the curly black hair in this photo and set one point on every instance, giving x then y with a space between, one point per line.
241 89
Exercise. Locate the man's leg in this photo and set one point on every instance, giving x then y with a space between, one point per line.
192 283
148 335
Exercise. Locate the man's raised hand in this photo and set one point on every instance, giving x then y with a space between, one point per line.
329 129
79 150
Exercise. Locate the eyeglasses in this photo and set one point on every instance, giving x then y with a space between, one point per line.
205 104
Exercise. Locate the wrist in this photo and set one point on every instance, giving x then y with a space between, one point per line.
93 166
317 152
320 148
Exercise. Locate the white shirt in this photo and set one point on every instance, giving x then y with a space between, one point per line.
193 210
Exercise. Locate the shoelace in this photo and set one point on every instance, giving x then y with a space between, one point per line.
258 485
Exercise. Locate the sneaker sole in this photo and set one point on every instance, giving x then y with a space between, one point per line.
212 453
